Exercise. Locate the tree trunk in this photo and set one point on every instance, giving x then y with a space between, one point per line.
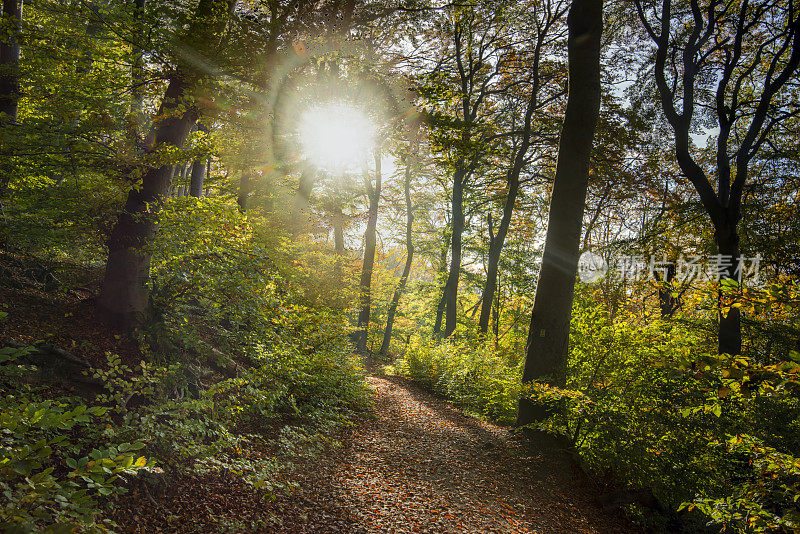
401 285
666 302
730 331
374 194
9 82
136 120
450 295
198 175
437 325
9 62
124 295
548 336
496 243
299 216
338 221
198 171
245 187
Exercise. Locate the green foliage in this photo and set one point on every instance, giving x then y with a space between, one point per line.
54 466
473 374
648 405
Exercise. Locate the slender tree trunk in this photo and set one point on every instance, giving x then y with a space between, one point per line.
496 243
136 120
299 215
450 295
124 295
369 254
245 188
437 325
198 171
496 314
730 330
548 336
401 285
338 221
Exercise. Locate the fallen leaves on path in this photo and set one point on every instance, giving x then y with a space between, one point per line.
420 466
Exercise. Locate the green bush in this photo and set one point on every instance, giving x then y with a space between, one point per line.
472 373
54 464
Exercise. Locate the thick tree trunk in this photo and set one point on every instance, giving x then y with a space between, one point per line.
450 295
9 82
548 336
369 255
666 302
401 285
124 295
9 62
198 171
197 178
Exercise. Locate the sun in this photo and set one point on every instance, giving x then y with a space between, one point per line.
336 137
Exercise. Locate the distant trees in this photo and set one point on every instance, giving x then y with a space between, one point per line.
541 87
548 335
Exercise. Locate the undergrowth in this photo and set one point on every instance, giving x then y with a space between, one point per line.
245 371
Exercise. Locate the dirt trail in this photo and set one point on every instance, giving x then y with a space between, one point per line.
424 466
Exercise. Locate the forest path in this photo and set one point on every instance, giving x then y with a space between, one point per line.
424 466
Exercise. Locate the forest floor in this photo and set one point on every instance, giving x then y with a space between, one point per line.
417 464
422 465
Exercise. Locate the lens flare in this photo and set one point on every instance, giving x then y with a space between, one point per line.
336 137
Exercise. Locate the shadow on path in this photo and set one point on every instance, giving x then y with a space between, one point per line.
422 465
